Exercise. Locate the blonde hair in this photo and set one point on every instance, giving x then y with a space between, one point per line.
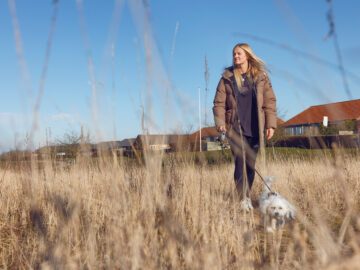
256 65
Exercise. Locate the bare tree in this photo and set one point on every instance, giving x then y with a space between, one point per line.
72 137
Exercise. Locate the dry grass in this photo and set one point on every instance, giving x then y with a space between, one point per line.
178 216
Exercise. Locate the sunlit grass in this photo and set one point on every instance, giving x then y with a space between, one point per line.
115 215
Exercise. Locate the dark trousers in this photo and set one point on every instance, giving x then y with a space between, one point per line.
244 150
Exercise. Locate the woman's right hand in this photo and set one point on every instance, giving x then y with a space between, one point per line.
221 128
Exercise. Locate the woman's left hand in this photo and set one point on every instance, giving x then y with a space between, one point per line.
269 133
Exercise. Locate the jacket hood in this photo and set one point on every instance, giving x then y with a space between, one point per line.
228 73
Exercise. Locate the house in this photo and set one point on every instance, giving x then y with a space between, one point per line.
45 152
210 139
60 151
126 147
179 142
107 146
279 122
341 118
126 144
123 147
152 142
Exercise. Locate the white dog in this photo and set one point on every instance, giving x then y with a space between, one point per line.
275 208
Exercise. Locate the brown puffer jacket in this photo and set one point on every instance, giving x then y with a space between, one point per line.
225 108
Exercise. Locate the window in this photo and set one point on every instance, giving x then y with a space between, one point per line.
295 131
299 130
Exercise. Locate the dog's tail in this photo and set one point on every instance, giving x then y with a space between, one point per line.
268 180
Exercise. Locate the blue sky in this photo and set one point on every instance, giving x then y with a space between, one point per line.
149 55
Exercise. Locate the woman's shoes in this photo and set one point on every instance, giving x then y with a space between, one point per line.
246 205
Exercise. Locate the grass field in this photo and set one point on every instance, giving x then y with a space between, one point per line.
181 215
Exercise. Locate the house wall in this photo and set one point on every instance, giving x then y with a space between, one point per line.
158 147
301 130
212 146
313 129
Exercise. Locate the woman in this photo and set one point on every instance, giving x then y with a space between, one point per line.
245 109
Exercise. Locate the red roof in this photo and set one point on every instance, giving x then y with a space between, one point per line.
205 132
339 111
279 122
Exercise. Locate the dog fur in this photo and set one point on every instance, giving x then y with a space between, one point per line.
276 210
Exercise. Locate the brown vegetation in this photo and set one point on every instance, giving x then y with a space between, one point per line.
112 215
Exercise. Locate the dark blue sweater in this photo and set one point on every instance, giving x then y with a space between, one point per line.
247 108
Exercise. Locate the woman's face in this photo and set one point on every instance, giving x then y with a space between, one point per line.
239 56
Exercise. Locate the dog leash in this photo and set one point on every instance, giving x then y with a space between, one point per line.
222 138
262 179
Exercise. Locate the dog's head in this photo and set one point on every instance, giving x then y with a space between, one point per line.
277 211
278 208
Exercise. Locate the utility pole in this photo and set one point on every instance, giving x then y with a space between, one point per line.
200 119
47 136
81 134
